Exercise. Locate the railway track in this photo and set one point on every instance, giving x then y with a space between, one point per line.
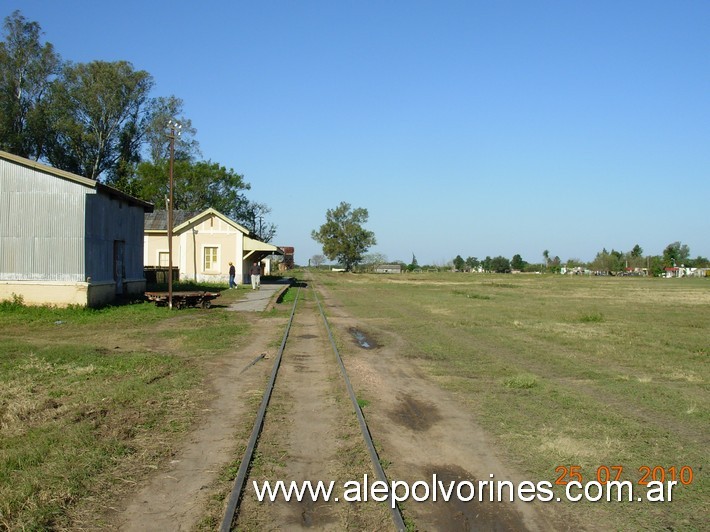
311 393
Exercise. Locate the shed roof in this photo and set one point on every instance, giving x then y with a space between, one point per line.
85 181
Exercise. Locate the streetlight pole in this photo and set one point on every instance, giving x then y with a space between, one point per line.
173 127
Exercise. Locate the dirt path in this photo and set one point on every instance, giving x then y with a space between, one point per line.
175 498
310 434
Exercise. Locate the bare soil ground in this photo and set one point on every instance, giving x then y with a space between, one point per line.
419 430
422 430
309 434
175 496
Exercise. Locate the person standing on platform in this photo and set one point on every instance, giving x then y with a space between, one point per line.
232 273
255 272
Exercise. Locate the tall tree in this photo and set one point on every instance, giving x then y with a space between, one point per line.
413 265
161 111
500 264
27 68
472 262
196 186
98 107
517 262
459 263
252 216
608 261
342 236
675 254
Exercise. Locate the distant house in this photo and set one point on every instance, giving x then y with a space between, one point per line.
388 268
287 263
66 239
204 243
674 272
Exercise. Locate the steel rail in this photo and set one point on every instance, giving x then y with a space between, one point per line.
374 457
238 488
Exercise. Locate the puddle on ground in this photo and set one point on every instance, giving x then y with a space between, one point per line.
362 339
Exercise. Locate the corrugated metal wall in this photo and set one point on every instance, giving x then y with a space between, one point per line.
56 230
109 220
41 226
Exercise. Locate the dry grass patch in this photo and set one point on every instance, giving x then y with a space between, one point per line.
92 400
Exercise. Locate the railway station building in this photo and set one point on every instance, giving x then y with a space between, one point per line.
204 243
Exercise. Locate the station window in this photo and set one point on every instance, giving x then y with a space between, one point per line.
210 261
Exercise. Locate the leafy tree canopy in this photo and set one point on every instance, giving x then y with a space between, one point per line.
27 68
342 236
472 262
95 108
676 254
98 120
459 263
517 262
500 264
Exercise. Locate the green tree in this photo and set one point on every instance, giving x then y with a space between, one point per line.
413 265
252 216
342 236
517 263
675 254
459 263
634 258
27 68
656 266
154 141
500 264
99 115
196 187
161 111
472 262
608 261
699 262
486 263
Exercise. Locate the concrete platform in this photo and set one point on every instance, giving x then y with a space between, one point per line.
259 300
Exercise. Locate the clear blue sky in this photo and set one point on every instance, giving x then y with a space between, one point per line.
463 127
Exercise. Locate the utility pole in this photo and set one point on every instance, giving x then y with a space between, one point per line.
174 126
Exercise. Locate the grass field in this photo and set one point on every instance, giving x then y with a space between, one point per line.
570 375
92 399
561 371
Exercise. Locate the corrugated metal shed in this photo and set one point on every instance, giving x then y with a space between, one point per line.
57 226
41 225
